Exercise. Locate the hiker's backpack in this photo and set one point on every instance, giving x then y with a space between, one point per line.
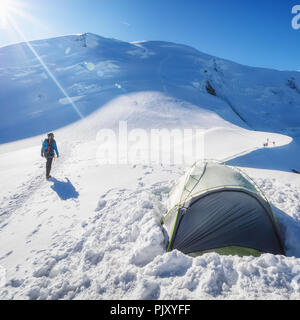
49 150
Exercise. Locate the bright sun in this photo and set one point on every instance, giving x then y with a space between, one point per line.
5 6
9 8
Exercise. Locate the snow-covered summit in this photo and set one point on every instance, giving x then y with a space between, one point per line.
93 70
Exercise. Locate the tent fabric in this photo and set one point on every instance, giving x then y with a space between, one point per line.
215 206
207 175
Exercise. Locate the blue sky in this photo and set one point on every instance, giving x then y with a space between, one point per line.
251 32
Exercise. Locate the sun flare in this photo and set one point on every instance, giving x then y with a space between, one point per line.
4 9
4 4
8 9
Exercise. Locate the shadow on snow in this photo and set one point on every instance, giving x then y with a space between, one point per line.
289 228
64 189
283 158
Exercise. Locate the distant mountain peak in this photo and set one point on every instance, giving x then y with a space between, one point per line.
92 70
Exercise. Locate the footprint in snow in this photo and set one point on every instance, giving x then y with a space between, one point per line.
6 255
101 205
36 230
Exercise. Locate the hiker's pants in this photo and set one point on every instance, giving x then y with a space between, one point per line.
48 166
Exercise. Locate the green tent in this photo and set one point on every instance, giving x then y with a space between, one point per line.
218 208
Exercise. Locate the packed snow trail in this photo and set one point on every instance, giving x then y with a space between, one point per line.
36 179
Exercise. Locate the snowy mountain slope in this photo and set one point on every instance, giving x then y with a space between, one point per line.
93 232
92 70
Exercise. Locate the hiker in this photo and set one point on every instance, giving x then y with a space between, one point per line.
48 148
